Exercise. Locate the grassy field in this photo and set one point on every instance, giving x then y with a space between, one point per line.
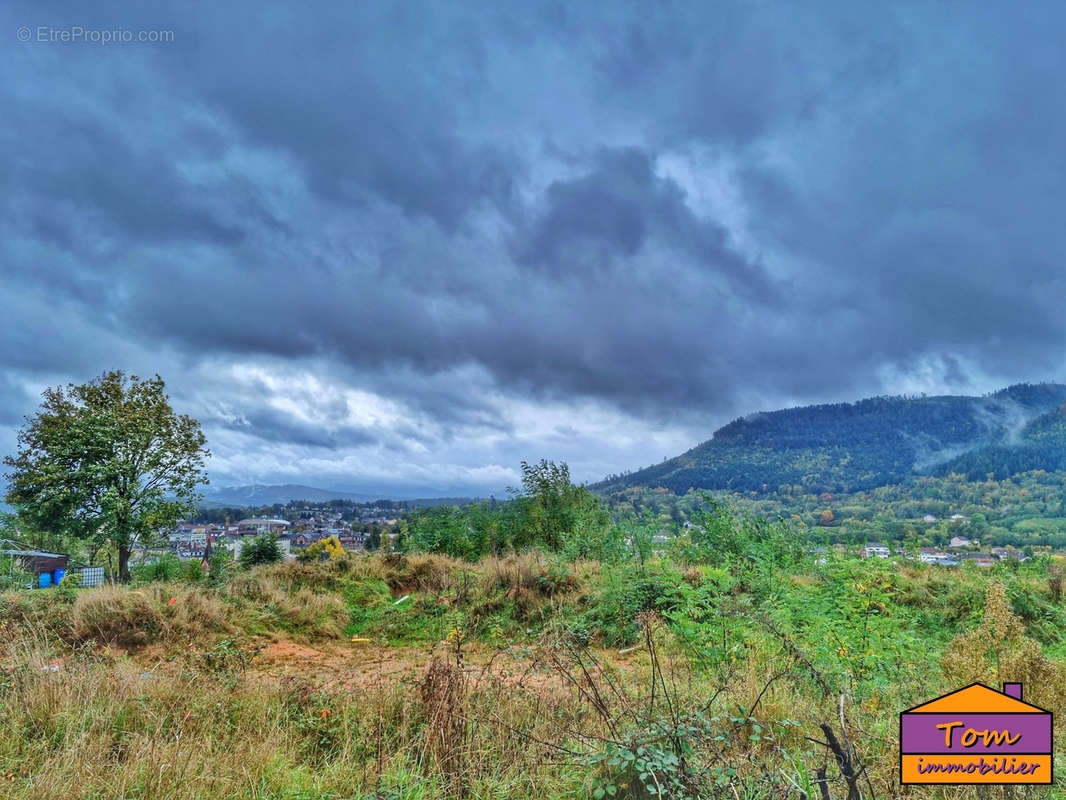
527 676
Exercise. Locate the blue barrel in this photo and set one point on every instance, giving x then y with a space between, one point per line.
45 580
57 576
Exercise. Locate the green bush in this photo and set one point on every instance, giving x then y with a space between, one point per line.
220 565
261 550
192 571
626 592
11 577
167 568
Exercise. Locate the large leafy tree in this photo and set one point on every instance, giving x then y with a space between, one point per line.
107 461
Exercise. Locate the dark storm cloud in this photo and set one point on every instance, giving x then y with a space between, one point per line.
14 401
273 425
600 221
122 191
370 104
939 197
676 211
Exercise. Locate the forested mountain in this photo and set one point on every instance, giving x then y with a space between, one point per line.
858 446
1041 444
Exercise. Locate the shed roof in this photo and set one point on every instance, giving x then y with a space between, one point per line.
32 554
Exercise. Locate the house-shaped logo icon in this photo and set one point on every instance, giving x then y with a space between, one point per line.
976 735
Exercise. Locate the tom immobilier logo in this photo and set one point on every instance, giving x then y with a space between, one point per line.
976 735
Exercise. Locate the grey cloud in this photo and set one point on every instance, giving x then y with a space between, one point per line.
464 209
275 426
362 112
14 401
602 220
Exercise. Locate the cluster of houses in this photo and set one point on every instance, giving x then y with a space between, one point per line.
363 513
192 541
957 552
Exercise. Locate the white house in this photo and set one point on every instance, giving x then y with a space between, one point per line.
930 556
876 550
254 526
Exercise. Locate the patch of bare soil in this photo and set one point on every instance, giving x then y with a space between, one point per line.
285 652
367 665
348 666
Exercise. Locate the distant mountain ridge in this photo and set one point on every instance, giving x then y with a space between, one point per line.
256 495
873 442
268 495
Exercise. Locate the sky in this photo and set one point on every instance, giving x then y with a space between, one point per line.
399 248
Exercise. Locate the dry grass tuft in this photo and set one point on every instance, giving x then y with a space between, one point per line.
998 650
443 694
301 611
117 615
